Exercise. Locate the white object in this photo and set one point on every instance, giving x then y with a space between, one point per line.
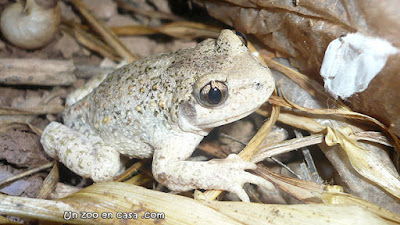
352 61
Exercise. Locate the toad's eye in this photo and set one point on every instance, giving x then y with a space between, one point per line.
241 37
214 93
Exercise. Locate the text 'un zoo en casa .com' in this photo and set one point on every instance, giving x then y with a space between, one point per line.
70 215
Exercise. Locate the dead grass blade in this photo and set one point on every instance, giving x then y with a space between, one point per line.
252 147
297 143
49 184
297 121
183 30
35 110
151 14
286 146
305 191
109 36
373 136
131 170
89 41
6 126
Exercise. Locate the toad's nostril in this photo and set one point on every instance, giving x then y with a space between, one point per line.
257 85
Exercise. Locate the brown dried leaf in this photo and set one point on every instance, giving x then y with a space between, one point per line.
363 161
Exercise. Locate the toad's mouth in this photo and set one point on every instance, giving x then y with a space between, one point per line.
227 120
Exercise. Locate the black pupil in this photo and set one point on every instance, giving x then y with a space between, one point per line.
214 96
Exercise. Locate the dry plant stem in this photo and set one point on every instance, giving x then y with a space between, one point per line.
36 110
311 86
26 173
276 100
305 191
304 123
140 180
232 138
251 148
287 146
297 121
90 41
300 122
351 115
43 72
285 167
105 32
373 136
309 160
89 71
151 14
133 30
50 183
133 169
184 30
7 125
272 158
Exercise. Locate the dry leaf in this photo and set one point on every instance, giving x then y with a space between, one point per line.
363 161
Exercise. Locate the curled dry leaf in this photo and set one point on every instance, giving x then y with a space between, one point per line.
363 161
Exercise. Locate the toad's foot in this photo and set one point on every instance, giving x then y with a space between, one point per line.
223 174
86 158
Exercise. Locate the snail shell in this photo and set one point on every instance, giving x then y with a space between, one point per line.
30 24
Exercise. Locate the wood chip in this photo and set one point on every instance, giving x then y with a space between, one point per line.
43 72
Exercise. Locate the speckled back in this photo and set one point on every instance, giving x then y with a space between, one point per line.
144 96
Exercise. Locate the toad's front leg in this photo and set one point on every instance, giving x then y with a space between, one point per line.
170 169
